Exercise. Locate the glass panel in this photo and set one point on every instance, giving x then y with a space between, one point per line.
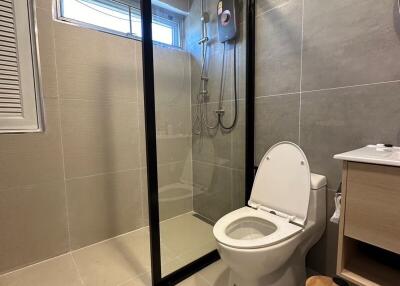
200 159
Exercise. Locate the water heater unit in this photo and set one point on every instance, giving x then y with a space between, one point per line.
227 22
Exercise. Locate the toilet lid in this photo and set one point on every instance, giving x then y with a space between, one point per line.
282 182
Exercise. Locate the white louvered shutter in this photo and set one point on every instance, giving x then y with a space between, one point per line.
19 91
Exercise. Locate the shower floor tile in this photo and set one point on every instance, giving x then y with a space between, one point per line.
124 260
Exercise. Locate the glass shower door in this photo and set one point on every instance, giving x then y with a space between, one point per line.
200 125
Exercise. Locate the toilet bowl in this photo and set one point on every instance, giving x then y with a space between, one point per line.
266 242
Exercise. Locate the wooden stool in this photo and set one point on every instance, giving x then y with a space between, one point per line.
320 281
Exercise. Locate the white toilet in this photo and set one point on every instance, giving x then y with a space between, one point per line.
266 243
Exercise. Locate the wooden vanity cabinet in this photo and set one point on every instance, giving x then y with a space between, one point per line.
369 229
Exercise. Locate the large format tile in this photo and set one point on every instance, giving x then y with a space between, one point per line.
103 206
89 65
33 158
172 76
263 6
214 145
175 189
278 50
118 260
99 137
350 42
216 274
238 136
195 280
33 224
59 271
173 148
184 233
46 48
212 189
115 261
319 258
276 119
339 120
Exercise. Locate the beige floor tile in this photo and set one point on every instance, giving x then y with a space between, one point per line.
142 280
59 271
125 260
114 261
182 233
117 260
195 280
197 251
217 274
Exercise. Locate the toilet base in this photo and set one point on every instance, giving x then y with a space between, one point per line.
291 273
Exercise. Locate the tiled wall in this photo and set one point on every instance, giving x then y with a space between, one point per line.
83 180
327 78
218 157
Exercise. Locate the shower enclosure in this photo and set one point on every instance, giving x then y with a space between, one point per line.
198 113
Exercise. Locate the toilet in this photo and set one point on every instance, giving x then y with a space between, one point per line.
266 242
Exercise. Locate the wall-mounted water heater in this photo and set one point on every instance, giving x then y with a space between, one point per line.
227 22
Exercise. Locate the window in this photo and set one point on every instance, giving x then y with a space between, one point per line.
19 92
122 17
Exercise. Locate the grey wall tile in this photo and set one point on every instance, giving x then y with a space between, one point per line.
103 206
44 4
172 76
90 67
175 189
263 6
47 52
322 256
340 120
350 42
238 189
33 223
212 190
214 146
99 137
276 119
33 158
278 50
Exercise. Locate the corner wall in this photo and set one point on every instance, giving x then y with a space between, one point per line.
327 79
83 179
218 156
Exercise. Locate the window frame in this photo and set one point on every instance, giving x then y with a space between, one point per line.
177 26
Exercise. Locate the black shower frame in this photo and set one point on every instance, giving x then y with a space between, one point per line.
151 143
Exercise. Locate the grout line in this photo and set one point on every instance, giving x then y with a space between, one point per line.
273 8
301 69
34 264
138 108
101 101
61 141
77 270
71 253
351 86
217 165
329 88
102 174
278 94
143 228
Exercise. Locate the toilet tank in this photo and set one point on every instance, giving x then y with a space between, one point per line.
317 205
318 182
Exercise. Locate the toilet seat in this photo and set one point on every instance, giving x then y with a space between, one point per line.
283 229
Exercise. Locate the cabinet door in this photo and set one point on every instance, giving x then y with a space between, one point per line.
372 210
